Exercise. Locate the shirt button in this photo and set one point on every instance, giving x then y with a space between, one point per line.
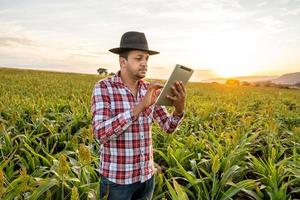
142 137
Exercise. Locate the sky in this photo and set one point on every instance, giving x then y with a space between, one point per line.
214 37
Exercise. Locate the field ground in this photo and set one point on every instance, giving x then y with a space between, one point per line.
236 142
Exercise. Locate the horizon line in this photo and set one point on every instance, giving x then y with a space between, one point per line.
88 73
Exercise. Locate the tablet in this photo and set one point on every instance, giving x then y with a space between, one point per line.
180 73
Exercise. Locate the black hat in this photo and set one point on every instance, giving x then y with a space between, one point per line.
133 41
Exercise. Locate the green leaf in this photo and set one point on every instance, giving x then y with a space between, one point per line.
171 190
45 185
181 194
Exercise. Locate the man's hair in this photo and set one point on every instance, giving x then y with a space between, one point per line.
124 54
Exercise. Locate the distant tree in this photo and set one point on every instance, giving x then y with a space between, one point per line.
256 84
283 86
267 84
297 85
111 74
102 71
232 82
245 83
215 83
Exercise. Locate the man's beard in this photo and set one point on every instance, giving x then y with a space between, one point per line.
141 74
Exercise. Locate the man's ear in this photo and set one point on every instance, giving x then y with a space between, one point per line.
122 62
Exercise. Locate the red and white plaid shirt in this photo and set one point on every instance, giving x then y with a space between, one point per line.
126 152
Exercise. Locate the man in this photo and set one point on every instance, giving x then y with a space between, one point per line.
123 108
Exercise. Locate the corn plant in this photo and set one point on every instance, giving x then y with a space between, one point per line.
239 142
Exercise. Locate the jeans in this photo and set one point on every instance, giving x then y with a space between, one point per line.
135 191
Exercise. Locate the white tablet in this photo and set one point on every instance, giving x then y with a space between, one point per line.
180 73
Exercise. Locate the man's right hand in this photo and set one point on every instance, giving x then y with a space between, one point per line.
149 98
151 95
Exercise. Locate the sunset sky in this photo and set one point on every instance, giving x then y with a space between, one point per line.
215 37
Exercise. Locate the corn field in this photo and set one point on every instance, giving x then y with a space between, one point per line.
236 142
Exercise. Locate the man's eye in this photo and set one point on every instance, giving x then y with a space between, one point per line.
138 58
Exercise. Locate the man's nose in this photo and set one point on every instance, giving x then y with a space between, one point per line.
144 62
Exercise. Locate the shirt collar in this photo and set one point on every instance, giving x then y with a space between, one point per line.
118 81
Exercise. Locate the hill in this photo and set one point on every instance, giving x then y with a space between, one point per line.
243 78
288 79
285 79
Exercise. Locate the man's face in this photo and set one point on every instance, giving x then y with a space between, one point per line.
136 64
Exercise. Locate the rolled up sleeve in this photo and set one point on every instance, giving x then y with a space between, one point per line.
168 122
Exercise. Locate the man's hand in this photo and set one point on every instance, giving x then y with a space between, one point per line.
149 98
151 95
179 97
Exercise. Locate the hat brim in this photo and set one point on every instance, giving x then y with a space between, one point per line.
120 50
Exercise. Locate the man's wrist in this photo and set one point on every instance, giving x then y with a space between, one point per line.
178 113
137 110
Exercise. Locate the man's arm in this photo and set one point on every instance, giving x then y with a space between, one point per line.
169 122
106 126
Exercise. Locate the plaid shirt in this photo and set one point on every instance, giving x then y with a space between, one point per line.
126 152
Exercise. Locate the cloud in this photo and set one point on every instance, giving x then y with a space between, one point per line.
84 55
293 12
11 41
194 32
101 53
271 24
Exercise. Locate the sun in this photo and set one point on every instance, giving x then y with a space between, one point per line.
234 64
234 53
227 71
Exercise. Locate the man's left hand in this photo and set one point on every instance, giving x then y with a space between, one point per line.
179 97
